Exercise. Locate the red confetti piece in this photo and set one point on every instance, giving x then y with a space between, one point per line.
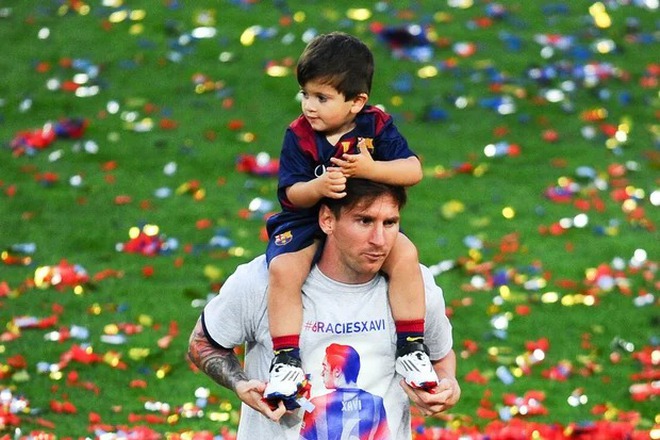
43 67
523 310
94 418
168 124
475 376
138 383
235 124
487 413
17 362
123 200
204 223
109 165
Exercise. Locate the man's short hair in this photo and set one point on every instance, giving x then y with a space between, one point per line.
339 60
365 191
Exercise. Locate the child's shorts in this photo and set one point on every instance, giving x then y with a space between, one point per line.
291 232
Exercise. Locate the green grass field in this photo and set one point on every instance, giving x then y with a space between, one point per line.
168 114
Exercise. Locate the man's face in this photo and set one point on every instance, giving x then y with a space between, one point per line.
359 240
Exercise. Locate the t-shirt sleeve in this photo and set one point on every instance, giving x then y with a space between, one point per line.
438 329
231 317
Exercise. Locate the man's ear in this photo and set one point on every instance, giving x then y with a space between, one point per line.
359 102
326 219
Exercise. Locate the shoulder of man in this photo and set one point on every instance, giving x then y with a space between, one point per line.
244 291
432 288
255 270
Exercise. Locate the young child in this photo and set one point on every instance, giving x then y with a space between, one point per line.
338 136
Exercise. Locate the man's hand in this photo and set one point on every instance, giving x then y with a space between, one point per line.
439 399
356 165
251 392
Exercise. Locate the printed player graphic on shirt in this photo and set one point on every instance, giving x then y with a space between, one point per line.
347 412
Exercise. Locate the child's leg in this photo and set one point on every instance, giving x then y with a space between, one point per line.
286 276
406 290
408 304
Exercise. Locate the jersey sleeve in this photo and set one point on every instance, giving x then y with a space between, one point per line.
438 329
297 164
389 143
232 316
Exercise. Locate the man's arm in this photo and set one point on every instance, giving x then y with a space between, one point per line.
225 369
445 395
219 364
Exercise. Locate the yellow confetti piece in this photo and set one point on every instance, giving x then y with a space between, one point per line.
358 14
599 14
138 354
136 29
299 17
163 371
237 252
248 36
213 273
219 416
550 297
111 329
427 72
508 213
118 16
247 137
112 358
138 15
146 320
200 194
278 71
151 230
396 101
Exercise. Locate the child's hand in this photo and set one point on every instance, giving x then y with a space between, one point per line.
332 183
356 165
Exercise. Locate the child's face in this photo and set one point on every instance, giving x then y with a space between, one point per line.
327 110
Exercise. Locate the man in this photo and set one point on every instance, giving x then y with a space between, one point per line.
344 302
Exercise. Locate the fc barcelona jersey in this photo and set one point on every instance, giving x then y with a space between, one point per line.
306 152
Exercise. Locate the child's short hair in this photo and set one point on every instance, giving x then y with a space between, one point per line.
339 60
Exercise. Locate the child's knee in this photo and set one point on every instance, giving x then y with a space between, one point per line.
291 268
406 252
278 268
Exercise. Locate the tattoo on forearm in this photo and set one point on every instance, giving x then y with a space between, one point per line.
220 365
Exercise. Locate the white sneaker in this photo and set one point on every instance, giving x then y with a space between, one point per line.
414 364
286 380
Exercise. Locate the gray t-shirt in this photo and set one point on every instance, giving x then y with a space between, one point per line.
351 314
